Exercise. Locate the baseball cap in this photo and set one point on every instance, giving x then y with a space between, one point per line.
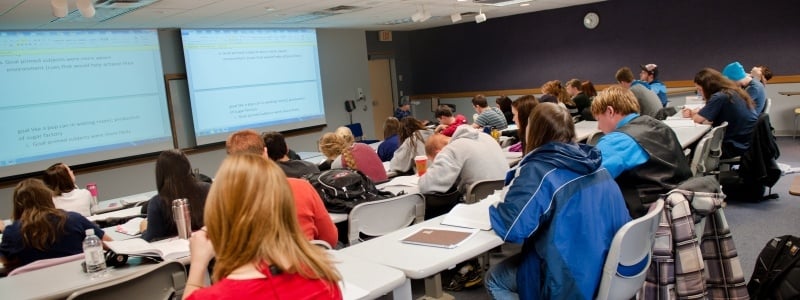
650 68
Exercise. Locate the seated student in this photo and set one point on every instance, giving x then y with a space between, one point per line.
331 147
174 180
754 88
761 73
412 143
581 100
504 104
278 152
252 231
67 195
522 108
649 104
447 121
563 207
358 156
642 153
315 222
487 116
391 139
40 230
725 102
454 163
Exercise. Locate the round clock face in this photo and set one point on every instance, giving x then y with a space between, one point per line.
591 20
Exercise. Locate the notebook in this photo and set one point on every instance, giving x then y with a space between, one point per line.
438 237
165 249
475 215
131 227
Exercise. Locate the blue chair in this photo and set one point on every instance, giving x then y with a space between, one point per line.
358 133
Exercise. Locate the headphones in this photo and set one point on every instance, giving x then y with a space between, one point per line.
115 260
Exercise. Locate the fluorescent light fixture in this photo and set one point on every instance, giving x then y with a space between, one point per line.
455 17
480 17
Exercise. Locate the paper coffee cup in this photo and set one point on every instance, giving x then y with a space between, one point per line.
421 163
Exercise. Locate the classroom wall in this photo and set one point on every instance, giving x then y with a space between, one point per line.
343 67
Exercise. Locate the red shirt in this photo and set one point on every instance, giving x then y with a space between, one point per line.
283 286
314 219
450 129
368 161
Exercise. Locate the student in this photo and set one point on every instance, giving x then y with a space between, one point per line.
563 207
40 230
588 89
391 139
725 102
504 104
403 110
174 180
649 75
522 108
67 195
642 153
649 104
358 156
487 116
412 143
315 222
735 72
761 73
447 121
278 151
253 232
331 146
581 100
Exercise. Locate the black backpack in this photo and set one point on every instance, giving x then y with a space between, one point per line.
777 274
342 189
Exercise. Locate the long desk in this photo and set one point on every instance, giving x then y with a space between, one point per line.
422 262
687 132
60 281
120 203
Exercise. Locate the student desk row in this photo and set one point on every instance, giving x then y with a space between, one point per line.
686 130
60 281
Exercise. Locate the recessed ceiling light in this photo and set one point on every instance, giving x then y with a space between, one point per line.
525 4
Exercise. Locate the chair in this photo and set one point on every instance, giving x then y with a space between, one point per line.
165 280
767 106
796 116
481 189
594 138
706 158
376 218
629 257
358 133
44 263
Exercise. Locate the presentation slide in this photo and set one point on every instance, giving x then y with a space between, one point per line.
80 97
263 79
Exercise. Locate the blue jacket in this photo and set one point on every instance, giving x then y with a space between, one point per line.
565 209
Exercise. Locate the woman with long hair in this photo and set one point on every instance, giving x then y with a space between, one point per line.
174 180
563 195
522 108
331 146
504 104
358 156
253 232
391 139
412 143
725 102
40 230
555 92
66 194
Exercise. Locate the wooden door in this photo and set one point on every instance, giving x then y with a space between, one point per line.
380 83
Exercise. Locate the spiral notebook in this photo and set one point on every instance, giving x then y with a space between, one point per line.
438 237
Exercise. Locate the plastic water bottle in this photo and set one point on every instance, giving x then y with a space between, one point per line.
93 251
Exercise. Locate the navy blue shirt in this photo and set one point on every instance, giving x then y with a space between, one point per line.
387 147
70 242
727 105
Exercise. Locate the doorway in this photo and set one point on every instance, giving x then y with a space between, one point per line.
380 84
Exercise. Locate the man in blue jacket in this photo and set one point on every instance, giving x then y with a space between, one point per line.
563 207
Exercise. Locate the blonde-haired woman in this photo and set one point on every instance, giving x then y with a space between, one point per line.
252 230
358 156
555 92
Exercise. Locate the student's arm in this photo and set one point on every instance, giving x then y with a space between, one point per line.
326 230
524 205
202 251
155 224
442 174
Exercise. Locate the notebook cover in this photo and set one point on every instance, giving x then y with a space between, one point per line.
438 237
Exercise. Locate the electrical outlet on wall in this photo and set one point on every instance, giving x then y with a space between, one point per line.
360 94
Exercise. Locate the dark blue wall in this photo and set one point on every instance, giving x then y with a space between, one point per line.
524 51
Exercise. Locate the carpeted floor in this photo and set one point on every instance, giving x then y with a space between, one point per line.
752 224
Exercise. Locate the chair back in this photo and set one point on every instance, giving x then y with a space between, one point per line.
629 256
44 263
701 154
358 132
165 280
479 190
717 134
376 218
594 138
767 106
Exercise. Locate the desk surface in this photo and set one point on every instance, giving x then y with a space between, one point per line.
417 261
58 282
789 93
